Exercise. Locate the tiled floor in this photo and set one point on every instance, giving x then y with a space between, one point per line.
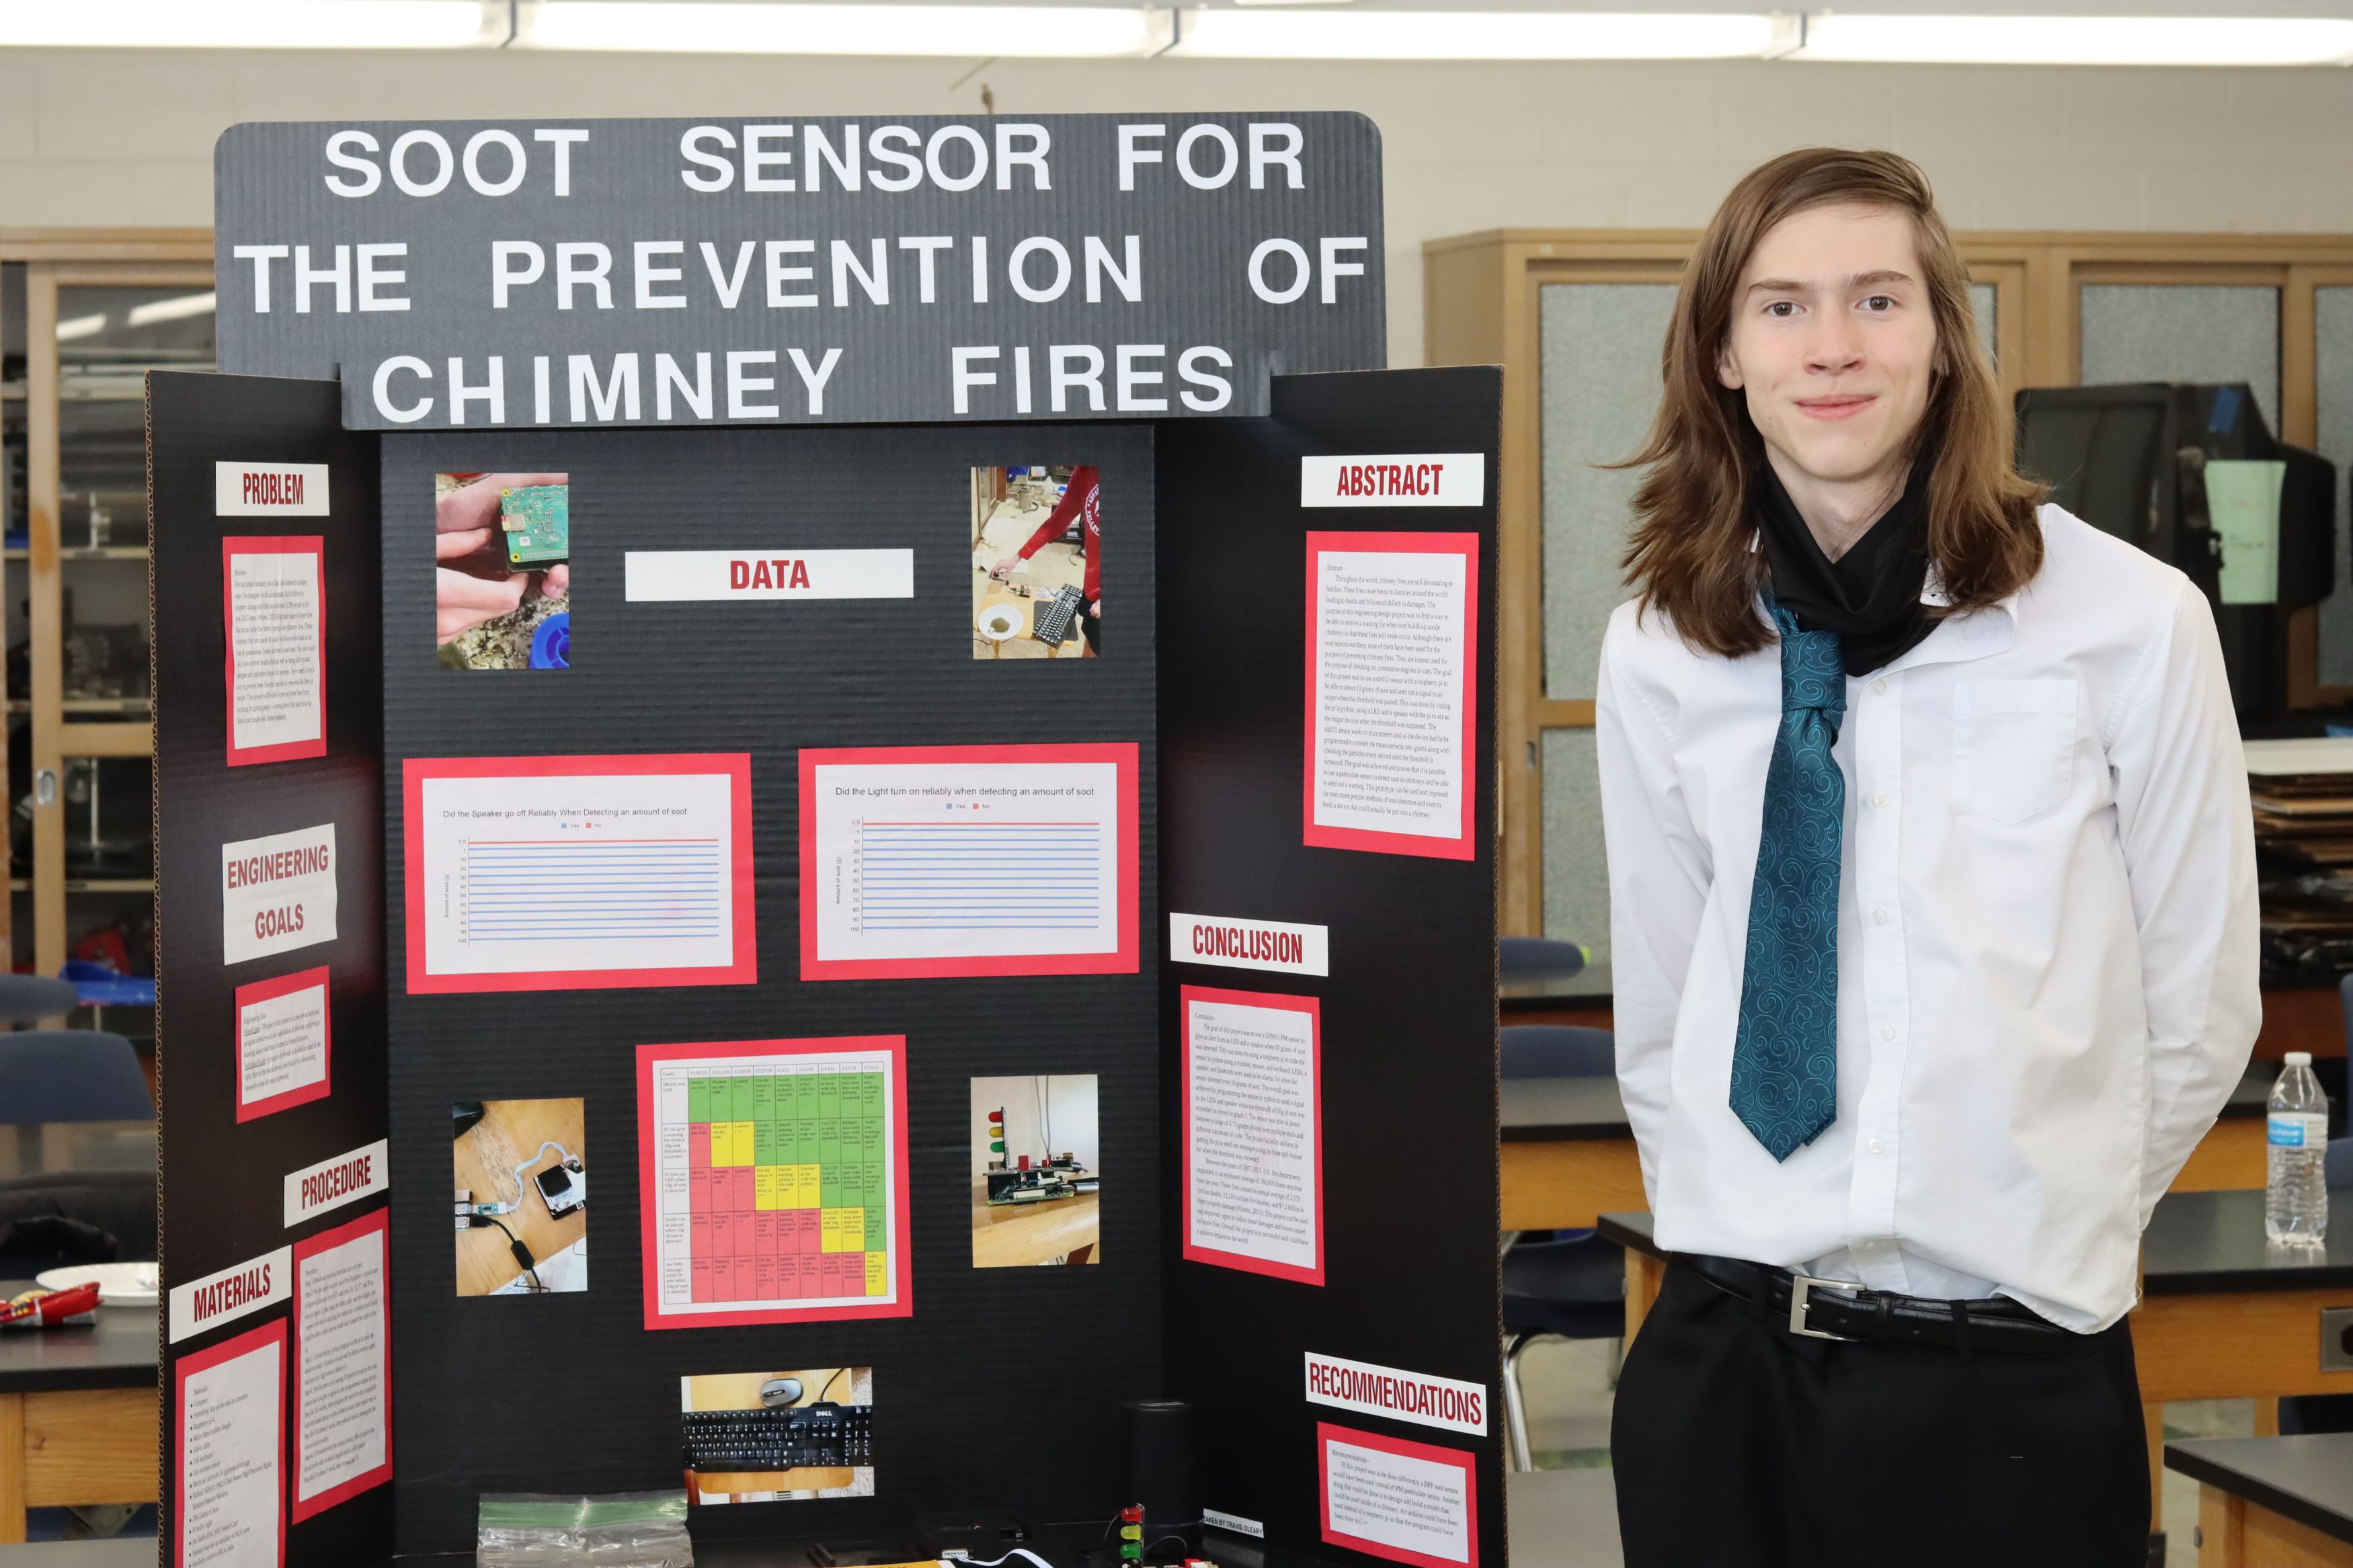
1568 1395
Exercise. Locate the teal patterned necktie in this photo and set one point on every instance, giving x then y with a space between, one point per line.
1785 1055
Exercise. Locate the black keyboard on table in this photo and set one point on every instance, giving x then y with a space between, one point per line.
821 1435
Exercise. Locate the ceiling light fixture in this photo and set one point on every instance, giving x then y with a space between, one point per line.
2077 40
247 23
699 26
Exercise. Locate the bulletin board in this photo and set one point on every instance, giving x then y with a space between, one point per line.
986 907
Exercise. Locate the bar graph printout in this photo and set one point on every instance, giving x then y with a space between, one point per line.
774 1181
968 860
532 873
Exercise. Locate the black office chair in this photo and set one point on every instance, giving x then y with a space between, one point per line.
2301 1412
1562 1284
1526 960
53 1217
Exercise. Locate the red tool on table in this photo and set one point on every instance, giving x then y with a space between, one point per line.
47 1308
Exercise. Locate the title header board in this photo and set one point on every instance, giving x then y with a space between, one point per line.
800 270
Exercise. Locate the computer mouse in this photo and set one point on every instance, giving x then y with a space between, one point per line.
779 1392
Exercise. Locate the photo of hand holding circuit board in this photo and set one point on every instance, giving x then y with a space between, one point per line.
503 550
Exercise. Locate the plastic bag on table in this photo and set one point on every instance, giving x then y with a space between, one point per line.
618 1529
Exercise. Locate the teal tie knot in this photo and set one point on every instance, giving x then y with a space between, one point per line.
1785 1052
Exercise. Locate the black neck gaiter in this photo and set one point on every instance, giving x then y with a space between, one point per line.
1870 596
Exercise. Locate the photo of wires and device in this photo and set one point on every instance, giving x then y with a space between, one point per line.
502 570
522 1196
763 1437
1037 1182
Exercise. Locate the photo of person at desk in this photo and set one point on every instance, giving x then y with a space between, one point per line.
767 1437
1036 1183
1933 922
1037 562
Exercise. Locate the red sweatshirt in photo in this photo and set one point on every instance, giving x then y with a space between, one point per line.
1085 490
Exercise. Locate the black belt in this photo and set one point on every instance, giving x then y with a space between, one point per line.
1839 1310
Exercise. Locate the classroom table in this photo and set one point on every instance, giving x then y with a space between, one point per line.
2223 1314
78 1413
38 1148
1006 1235
2271 1503
1569 1154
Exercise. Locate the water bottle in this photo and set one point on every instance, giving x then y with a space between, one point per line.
2296 1198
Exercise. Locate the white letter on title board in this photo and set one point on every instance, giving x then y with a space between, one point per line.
399 160
492 391
1131 376
883 148
372 276
1300 280
1334 269
966 378
730 289
1129 283
1033 155
876 283
926 248
980 270
541 410
1130 154
758 159
504 276
516 163
1224 391
383 389
1264 152
739 384
570 274
305 275
370 176
779 274
620 396
696 394
815 380
1013 269
1062 379
1021 379
261 256
1225 140
721 172
820 154
933 160
562 140
649 274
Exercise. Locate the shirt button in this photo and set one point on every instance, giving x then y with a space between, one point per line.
1876 1146
1878 917
1879 689
1887 1031
1880 800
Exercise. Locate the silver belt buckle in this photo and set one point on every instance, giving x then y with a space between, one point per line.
1802 1285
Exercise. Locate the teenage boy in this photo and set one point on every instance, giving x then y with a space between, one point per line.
1933 922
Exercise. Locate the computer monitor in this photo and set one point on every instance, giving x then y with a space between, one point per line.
2130 459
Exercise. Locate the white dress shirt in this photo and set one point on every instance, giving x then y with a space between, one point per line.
2046 936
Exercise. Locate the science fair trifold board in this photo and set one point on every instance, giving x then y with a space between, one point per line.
755 857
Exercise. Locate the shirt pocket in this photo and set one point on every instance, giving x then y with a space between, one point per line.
2013 746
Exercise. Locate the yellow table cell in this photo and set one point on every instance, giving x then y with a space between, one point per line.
731 1144
874 1271
802 1182
828 1229
767 1186
853 1230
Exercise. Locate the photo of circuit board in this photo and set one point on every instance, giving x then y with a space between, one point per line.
538 524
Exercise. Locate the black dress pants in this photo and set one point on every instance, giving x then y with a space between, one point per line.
1739 1445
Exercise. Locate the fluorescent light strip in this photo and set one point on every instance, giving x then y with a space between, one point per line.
177 307
698 26
244 23
2079 40
74 327
1260 33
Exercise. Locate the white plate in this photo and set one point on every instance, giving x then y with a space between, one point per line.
119 1284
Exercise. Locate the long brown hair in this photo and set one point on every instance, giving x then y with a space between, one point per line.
1690 553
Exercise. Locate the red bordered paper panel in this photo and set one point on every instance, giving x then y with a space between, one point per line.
673 1147
1452 1458
1187 996
310 544
270 991
742 965
1459 845
270 1340
327 1241
1016 891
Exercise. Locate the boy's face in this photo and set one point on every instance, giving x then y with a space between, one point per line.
1834 344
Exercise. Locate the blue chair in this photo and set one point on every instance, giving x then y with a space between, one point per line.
29 998
71 1074
1526 960
2300 1413
1562 1284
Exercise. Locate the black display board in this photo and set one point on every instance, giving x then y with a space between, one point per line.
221 1183
1408 1009
1002 1391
